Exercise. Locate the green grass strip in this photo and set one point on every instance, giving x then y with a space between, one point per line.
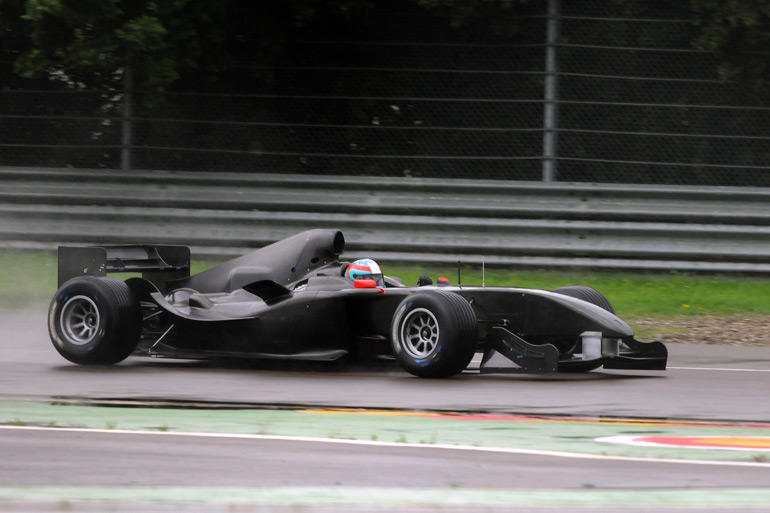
28 281
576 437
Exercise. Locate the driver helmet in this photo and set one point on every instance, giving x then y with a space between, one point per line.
365 269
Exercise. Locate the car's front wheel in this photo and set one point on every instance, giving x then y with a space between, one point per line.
434 334
94 321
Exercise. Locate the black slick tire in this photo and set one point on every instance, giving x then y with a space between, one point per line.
587 294
94 321
434 334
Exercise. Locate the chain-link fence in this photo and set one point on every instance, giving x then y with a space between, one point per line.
407 94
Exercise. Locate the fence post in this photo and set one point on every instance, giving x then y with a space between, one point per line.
127 141
551 96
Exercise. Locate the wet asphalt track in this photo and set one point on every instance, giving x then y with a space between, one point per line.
704 382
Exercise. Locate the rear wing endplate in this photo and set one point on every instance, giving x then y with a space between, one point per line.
157 264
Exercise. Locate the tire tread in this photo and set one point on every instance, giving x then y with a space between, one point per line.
466 335
587 294
124 320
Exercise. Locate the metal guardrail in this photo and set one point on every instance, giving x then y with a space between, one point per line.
532 224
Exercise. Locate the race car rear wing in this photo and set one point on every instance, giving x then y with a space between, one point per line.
157 264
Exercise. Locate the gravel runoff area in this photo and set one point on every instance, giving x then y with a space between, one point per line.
738 330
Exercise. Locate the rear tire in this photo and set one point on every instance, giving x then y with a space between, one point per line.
587 294
434 334
94 321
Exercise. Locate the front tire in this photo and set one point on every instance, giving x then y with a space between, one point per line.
94 321
587 294
434 334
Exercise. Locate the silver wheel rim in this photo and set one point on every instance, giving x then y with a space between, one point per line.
79 320
419 333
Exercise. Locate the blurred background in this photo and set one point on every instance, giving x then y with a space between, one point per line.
612 91
613 134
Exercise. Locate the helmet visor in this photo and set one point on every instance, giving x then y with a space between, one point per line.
378 279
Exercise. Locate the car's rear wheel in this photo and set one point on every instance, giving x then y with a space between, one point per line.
587 294
94 321
434 334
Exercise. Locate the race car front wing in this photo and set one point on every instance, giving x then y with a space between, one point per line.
509 353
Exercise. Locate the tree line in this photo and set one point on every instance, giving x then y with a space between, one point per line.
165 39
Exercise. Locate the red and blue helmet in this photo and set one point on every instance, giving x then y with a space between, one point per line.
365 269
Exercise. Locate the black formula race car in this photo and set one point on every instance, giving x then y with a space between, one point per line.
293 300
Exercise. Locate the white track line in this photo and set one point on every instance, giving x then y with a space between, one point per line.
724 369
309 439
